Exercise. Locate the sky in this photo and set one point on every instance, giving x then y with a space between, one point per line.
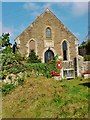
17 16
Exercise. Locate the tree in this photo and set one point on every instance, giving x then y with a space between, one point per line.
88 47
33 58
83 43
84 50
4 40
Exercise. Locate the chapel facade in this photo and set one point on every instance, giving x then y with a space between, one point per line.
49 37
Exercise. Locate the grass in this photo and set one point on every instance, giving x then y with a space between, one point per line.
46 98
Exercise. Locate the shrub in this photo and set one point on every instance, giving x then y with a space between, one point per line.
33 58
41 68
6 88
16 69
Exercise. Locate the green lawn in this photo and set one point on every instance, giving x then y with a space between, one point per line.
47 98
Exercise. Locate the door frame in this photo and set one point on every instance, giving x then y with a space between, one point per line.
43 59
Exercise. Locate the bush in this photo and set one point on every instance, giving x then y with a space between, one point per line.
33 58
41 68
16 69
12 63
6 88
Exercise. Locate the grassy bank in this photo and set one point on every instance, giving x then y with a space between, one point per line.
46 98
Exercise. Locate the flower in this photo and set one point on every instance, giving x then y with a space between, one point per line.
53 73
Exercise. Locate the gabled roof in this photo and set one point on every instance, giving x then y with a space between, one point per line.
48 11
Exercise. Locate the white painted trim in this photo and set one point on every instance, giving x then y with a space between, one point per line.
43 60
68 51
28 47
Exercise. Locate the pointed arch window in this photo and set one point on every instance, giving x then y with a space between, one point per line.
64 47
31 45
48 33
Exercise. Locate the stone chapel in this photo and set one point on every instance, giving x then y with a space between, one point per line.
49 37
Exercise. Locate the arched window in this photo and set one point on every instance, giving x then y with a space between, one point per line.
48 33
64 47
31 45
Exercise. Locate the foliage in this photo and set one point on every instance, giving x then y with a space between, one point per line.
4 40
11 63
88 47
85 48
86 57
39 68
4 73
6 88
33 58
42 68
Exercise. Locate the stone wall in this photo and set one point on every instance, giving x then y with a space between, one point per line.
36 31
86 66
83 66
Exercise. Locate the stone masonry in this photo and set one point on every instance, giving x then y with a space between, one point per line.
37 32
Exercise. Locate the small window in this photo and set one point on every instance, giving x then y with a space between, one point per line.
48 33
32 45
64 47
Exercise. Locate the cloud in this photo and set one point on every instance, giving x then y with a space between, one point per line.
12 31
36 9
36 6
48 5
79 8
9 30
31 6
76 8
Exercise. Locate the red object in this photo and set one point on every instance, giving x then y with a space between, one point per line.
86 72
59 65
53 73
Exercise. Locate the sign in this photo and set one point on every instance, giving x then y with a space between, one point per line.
59 65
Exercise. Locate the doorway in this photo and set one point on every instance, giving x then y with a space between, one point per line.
48 56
